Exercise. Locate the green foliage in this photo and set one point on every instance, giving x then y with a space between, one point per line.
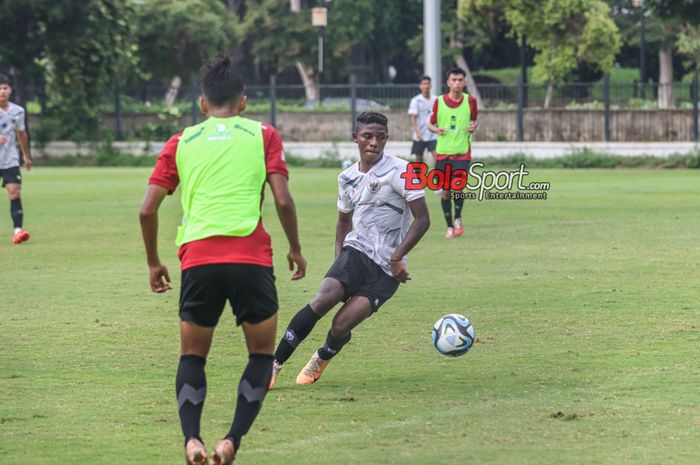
689 45
176 38
280 38
563 32
167 125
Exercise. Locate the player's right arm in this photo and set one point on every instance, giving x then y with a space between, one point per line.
286 211
432 123
413 112
159 277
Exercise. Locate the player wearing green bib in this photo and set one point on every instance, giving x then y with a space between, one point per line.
454 120
221 166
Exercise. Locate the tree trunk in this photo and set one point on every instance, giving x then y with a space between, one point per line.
457 44
666 97
310 85
550 93
172 92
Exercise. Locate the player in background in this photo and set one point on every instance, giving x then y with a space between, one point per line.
222 165
420 109
454 120
373 235
13 130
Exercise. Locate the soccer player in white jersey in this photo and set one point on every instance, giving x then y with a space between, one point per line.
13 130
420 109
373 235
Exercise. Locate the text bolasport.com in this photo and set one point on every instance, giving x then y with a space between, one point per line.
480 184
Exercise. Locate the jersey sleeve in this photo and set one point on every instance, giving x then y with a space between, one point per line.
344 203
433 114
20 124
165 172
473 107
274 152
413 107
399 185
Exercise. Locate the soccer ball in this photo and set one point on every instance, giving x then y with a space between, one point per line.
453 335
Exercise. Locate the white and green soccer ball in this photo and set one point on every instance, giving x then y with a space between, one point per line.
453 335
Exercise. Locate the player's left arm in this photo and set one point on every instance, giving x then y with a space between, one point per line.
23 140
421 223
474 123
159 277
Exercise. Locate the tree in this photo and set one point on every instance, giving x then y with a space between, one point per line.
562 33
678 18
176 38
284 39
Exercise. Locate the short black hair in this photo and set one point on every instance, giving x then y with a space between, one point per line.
456 70
220 83
5 80
370 117
425 78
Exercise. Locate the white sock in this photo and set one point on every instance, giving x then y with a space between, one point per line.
18 230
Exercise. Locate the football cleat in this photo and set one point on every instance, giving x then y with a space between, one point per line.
20 236
195 453
459 227
224 453
450 233
313 370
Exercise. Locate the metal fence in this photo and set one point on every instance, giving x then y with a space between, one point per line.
273 99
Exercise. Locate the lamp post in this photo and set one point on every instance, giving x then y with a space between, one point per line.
642 71
319 19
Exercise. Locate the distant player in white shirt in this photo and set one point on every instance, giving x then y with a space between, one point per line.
420 108
373 235
13 130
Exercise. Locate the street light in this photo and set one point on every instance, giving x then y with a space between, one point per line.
319 19
642 72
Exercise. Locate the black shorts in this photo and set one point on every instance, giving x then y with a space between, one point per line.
250 289
10 176
420 146
361 276
455 164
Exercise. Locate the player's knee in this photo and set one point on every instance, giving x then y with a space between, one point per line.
326 300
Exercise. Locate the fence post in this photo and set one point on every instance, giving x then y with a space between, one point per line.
695 106
194 100
353 101
42 94
117 111
606 96
519 122
273 100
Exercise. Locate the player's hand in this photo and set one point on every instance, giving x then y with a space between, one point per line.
399 271
28 164
295 258
3 139
160 279
420 136
472 126
441 131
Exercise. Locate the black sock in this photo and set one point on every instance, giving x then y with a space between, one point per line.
191 389
300 327
459 202
16 212
332 346
251 392
447 209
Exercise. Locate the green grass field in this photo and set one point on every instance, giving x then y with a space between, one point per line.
586 307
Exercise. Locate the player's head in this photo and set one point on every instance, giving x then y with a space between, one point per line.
455 79
371 134
5 88
424 85
221 86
